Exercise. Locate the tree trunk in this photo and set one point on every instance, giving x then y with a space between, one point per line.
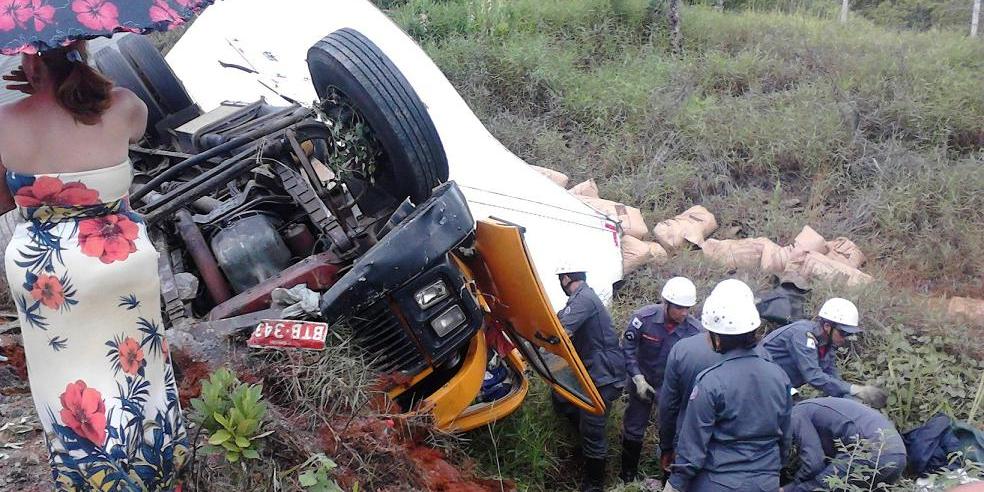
975 18
719 5
673 19
845 6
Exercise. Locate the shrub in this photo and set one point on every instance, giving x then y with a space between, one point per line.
232 414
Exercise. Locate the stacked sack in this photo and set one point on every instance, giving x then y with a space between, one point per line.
810 257
636 252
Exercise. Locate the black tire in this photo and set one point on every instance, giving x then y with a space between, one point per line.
155 73
113 65
355 66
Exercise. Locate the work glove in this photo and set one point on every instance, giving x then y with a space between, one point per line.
873 396
669 487
643 390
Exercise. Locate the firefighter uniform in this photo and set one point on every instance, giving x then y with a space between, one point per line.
646 343
796 349
736 428
589 326
819 423
687 359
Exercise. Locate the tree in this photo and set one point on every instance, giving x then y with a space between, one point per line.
673 19
845 7
975 18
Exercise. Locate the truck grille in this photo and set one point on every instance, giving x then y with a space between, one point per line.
381 334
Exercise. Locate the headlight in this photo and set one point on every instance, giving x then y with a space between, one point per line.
432 294
448 320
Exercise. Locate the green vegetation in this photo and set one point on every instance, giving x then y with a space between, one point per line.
232 414
771 121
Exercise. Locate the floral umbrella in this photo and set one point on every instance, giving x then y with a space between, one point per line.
30 26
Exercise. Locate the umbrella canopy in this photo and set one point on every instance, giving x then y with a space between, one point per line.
30 26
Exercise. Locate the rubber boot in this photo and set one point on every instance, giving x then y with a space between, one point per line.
630 460
594 475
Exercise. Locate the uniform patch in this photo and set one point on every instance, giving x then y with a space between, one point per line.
636 323
630 335
693 394
811 341
567 310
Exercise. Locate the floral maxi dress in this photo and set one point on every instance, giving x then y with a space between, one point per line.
83 275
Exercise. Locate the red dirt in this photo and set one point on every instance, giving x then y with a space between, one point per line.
15 359
379 453
190 376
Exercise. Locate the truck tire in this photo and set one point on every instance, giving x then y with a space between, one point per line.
350 63
155 73
114 66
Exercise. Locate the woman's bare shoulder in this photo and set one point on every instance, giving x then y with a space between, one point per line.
127 103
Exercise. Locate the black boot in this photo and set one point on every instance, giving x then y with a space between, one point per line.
594 475
630 460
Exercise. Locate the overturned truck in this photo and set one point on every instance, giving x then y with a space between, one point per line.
349 198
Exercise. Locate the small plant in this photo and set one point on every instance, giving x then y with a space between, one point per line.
231 413
317 477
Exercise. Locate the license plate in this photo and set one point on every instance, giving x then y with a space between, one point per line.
285 333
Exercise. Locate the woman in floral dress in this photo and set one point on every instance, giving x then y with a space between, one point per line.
83 275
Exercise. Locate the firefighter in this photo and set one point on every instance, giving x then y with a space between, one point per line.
819 423
806 350
736 428
588 324
651 334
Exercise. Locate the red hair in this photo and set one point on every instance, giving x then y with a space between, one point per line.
79 89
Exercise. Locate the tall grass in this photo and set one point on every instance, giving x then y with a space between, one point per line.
868 127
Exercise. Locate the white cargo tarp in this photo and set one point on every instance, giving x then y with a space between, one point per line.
274 42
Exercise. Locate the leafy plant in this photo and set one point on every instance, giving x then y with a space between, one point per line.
317 477
232 414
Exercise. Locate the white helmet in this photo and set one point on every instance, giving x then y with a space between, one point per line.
680 291
734 287
729 311
568 265
842 312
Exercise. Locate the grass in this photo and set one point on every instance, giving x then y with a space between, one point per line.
875 134
877 131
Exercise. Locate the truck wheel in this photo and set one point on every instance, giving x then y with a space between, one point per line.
112 64
155 73
349 63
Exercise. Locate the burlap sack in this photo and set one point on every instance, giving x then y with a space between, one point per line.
629 217
585 188
816 266
810 240
559 178
637 254
745 254
845 251
967 308
692 226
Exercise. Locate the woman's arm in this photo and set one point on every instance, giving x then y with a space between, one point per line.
6 198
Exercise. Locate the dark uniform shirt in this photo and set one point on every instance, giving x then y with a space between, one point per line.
796 350
687 359
818 423
736 428
647 342
589 325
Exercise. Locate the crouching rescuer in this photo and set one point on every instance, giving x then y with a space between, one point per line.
589 326
651 334
736 428
818 425
806 351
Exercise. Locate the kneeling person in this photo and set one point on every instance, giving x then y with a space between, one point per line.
819 423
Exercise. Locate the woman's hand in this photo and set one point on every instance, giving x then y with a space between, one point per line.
23 84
